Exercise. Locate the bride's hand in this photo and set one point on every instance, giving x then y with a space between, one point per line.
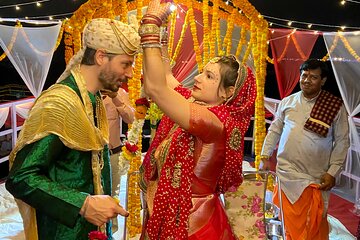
160 10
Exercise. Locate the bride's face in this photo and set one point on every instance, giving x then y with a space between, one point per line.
206 87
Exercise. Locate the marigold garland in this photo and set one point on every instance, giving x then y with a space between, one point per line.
134 137
206 37
214 25
258 44
172 33
228 36
124 11
131 156
284 50
348 47
12 41
242 41
298 48
134 206
270 60
333 45
249 45
181 39
193 31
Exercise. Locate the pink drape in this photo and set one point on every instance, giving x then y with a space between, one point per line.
290 49
186 61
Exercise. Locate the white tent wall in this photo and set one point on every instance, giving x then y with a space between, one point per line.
343 49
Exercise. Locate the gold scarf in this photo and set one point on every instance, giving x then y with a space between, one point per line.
60 111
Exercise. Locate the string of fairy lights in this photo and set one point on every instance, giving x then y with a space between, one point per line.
273 21
19 5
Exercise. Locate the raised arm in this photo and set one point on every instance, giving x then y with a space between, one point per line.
170 79
155 82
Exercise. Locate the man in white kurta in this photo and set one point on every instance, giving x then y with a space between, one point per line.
305 157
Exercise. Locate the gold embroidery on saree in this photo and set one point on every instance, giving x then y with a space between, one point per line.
176 176
235 139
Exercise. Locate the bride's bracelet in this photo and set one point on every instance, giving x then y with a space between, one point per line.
146 29
152 19
151 45
150 34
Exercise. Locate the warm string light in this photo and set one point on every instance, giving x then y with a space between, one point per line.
305 25
350 1
291 36
229 5
18 5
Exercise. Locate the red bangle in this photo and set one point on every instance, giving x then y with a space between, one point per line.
150 21
142 39
150 41
149 18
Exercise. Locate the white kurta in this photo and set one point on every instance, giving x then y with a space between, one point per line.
303 156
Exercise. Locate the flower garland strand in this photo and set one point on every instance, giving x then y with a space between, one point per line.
12 41
242 41
124 12
130 158
214 25
349 48
135 143
228 36
181 39
258 44
284 50
193 30
298 48
249 45
333 46
172 33
206 37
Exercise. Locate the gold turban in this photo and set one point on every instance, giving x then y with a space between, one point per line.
111 35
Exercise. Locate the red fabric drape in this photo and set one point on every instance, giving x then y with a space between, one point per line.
289 50
186 61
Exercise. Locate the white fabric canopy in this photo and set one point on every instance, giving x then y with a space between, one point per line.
30 50
4 112
23 109
344 49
